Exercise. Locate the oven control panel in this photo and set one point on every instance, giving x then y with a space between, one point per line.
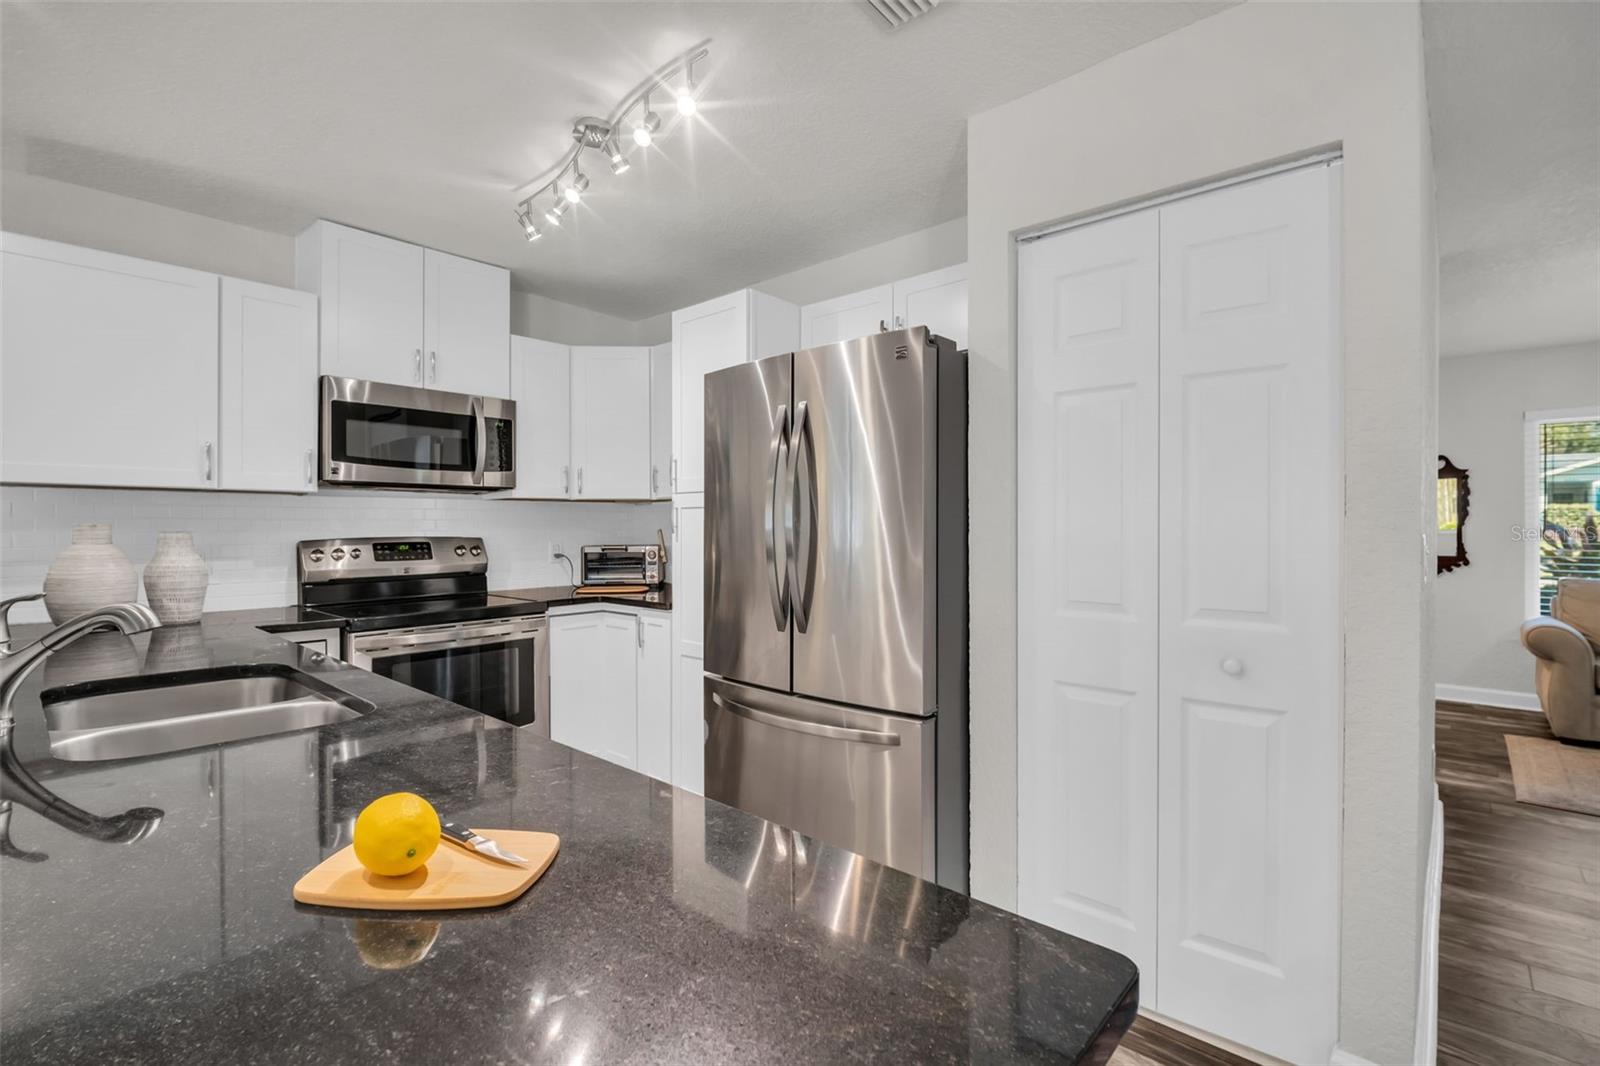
391 551
343 559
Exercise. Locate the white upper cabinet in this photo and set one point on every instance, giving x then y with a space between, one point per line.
268 369
719 333
467 325
108 369
611 423
405 315
661 421
846 317
541 384
937 300
371 293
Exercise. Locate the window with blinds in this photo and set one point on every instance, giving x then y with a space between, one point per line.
1565 463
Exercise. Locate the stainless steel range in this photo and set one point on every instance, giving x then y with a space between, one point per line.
418 610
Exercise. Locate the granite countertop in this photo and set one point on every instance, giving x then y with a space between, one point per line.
670 927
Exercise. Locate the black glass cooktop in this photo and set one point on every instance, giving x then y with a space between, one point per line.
443 610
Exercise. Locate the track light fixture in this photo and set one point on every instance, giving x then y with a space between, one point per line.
645 132
633 115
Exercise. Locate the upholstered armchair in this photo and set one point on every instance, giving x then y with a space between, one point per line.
1565 672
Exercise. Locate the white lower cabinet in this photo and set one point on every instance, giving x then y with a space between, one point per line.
108 369
1179 645
610 687
688 642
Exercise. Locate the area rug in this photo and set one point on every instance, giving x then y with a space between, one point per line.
1549 773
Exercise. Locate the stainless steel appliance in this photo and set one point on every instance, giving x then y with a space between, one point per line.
418 610
409 438
835 598
622 564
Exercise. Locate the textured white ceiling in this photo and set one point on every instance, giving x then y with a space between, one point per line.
823 130
1514 95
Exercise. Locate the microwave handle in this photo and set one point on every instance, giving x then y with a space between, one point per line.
482 431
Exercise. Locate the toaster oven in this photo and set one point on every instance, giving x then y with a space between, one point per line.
622 564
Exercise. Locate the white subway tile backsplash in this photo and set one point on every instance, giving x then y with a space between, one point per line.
248 538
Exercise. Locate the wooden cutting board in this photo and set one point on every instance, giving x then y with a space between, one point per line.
609 590
454 878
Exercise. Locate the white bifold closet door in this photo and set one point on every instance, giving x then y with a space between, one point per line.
1087 529
1239 537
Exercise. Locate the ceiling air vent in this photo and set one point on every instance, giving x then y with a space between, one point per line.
899 12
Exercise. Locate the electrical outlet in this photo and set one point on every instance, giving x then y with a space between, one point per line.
556 550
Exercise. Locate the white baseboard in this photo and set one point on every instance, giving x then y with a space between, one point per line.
1427 1046
1341 1057
1489 697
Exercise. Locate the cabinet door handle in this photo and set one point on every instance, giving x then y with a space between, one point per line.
209 463
655 481
899 321
416 371
310 468
674 475
433 368
580 481
566 480
638 630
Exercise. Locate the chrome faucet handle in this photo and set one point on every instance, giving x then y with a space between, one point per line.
5 617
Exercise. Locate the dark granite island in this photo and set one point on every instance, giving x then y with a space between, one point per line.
669 929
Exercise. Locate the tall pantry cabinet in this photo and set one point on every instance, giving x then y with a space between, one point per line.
1179 642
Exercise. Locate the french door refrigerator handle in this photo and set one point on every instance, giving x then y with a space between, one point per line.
777 586
800 725
791 524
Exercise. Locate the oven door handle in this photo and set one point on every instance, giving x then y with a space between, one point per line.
481 429
456 638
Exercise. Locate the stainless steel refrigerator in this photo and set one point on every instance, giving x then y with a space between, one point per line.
836 596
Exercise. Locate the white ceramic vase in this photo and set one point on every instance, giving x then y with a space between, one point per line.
175 580
90 572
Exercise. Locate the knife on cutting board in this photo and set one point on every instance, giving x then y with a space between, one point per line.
481 845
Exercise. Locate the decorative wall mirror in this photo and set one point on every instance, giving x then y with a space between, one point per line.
1453 493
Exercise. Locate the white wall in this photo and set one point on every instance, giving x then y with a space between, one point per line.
1256 83
903 257
76 214
1482 400
249 538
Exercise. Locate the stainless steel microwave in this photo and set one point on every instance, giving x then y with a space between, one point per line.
396 436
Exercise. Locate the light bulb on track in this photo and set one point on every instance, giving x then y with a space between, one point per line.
686 103
575 190
530 229
645 132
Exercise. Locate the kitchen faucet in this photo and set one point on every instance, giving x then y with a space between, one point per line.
15 663
19 786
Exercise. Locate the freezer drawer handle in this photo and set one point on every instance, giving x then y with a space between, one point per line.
776 585
800 725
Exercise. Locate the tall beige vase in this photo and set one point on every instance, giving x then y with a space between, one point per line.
175 580
90 572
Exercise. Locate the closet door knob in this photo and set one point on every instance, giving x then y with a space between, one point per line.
1232 667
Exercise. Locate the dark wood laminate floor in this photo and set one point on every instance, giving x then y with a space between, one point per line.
1519 929
1150 1043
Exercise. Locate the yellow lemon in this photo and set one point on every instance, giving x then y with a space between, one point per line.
396 834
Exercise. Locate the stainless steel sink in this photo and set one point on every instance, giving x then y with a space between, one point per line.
150 716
